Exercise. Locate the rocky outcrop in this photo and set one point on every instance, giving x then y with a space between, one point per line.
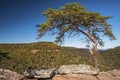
115 73
74 77
78 69
85 72
40 73
101 76
9 75
106 76
44 74
109 75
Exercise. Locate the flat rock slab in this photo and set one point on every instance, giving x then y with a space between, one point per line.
78 69
40 73
115 73
106 76
74 77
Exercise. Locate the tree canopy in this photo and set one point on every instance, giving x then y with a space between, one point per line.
74 19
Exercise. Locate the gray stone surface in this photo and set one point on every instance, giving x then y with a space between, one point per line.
78 69
40 73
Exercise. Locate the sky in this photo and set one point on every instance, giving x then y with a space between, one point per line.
18 19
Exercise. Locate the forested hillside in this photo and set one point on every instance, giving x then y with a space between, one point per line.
110 58
18 57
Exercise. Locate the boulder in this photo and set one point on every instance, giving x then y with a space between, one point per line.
78 69
9 75
29 79
106 76
40 73
115 73
74 77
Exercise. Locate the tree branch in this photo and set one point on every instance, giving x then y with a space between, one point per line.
87 34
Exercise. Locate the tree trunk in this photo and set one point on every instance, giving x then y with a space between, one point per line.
94 55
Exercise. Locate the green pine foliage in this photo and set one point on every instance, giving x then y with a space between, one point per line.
18 57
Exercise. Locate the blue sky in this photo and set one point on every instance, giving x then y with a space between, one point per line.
19 17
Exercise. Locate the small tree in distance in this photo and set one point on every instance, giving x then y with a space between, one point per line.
73 19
